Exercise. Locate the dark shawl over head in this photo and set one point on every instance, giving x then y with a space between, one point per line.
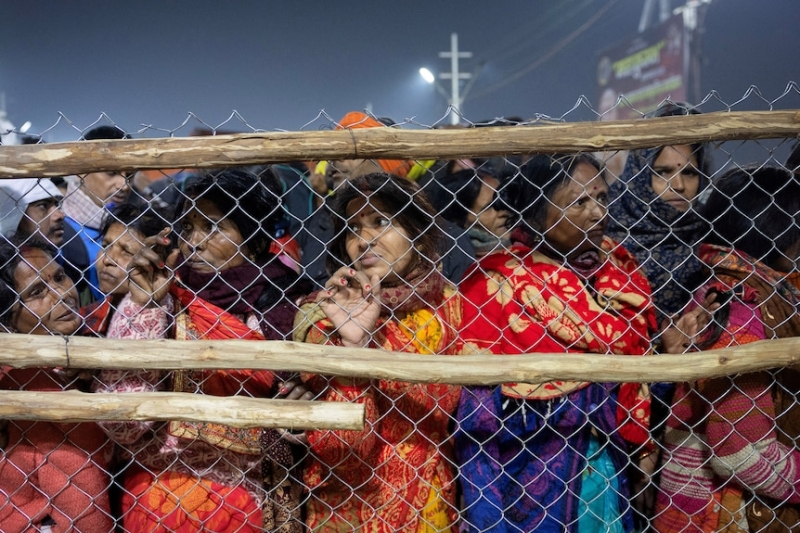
660 236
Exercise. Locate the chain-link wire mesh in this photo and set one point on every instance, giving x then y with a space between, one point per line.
669 249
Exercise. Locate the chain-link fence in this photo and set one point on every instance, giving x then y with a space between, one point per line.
540 256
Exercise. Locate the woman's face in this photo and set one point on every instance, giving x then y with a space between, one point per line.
576 217
483 211
375 245
676 178
120 244
209 240
48 300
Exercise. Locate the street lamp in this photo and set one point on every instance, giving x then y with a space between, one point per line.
427 75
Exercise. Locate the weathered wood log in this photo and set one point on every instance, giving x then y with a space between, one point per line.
21 351
59 159
74 406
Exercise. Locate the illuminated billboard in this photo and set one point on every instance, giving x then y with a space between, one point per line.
646 69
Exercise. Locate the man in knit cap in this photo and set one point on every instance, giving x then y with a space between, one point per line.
31 207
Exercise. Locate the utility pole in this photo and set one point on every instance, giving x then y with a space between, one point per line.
455 76
647 13
694 15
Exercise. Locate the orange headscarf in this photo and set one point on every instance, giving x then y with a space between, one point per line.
356 120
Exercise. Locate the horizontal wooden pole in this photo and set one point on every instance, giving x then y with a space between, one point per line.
238 411
60 159
17 350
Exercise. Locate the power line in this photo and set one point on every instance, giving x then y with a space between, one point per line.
558 47
525 37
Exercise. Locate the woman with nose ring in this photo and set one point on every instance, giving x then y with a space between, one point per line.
221 282
552 456
386 292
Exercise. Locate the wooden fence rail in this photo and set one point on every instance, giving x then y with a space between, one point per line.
59 159
238 411
20 351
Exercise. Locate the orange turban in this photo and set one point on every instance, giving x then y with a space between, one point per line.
356 120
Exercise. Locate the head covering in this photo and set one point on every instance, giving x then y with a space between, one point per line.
357 120
660 236
16 194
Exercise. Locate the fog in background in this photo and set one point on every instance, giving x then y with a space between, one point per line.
148 65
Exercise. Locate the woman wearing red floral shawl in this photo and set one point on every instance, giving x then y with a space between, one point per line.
187 477
386 292
553 456
734 462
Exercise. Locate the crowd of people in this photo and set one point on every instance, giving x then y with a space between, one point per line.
500 256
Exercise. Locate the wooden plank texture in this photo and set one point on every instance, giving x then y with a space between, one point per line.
60 159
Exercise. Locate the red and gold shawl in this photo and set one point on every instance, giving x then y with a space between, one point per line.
397 474
199 319
522 301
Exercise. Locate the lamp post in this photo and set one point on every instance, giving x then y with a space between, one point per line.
455 99
429 77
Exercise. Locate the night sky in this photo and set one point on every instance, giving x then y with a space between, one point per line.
281 64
